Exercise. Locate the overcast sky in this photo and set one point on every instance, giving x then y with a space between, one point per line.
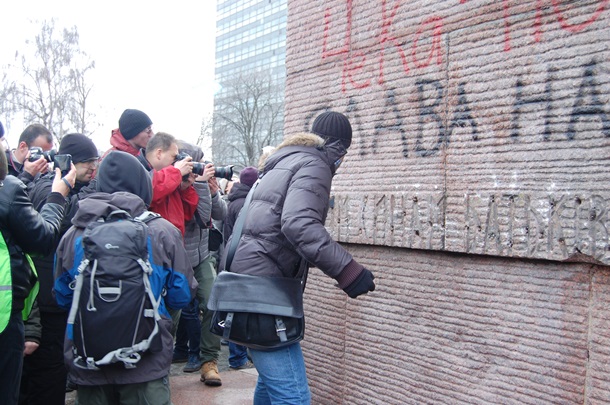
157 57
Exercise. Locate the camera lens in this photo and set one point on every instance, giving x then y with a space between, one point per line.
198 168
224 172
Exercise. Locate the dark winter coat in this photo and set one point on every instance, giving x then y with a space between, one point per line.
197 232
236 199
27 231
172 275
286 216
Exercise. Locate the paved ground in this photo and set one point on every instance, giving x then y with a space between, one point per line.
237 386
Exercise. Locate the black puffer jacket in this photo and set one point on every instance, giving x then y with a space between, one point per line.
286 216
27 231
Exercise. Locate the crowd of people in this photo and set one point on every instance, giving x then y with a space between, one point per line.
45 222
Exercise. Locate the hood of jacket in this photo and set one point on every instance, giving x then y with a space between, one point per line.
238 191
120 143
330 151
98 205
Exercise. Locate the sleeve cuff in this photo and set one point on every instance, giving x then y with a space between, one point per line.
349 274
56 198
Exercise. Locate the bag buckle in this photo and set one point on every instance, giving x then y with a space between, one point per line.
280 329
221 323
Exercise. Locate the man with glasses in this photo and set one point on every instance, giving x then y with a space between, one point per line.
44 374
133 133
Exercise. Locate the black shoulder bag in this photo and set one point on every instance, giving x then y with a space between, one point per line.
262 313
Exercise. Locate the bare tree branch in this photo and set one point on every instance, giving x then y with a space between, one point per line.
248 116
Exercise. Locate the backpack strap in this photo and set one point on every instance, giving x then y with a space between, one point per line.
147 216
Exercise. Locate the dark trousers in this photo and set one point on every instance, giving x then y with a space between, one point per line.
189 330
44 372
11 359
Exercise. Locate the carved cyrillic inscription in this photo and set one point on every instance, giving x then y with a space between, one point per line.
549 226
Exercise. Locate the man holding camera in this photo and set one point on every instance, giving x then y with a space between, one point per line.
174 197
197 243
25 164
44 374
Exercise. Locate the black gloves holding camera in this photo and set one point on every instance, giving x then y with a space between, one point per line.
356 280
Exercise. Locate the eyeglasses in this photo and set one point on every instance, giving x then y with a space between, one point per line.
148 130
91 163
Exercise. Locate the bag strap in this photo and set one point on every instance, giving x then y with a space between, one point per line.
239 225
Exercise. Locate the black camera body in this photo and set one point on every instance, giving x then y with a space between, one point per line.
37 152
197 167
63 162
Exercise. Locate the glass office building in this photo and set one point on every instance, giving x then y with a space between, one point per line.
251 50
250 37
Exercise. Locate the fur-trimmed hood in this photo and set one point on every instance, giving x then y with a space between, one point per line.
331 150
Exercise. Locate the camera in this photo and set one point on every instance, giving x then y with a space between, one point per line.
197 167
63 162
37 152
219 172
225 172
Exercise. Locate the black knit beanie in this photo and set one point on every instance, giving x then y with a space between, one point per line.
332 124
79 146
120 171
132 122
1 130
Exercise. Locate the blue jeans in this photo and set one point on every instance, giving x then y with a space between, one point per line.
282 379
238 355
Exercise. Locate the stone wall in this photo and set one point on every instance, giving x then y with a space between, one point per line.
476 183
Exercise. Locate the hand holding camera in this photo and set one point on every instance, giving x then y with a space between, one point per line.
37 160
207 172
63 184
184 163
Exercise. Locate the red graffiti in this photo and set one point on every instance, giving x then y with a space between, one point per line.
355 62
559 15
437 31
385 36
577 27
426 46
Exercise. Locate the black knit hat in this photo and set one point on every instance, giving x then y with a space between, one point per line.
120 171
132 122
1 130
79 146
332 124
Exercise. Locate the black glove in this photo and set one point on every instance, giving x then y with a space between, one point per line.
361 285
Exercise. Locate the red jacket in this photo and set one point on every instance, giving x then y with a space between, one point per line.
173 204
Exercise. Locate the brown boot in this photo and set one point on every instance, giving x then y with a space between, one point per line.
209 374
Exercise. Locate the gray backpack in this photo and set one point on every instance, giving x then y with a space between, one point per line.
114 314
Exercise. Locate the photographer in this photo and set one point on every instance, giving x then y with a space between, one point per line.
24 231
44 373
19 163
174 196
196 240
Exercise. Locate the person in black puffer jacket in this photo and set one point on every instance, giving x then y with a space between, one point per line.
24 232
284 225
